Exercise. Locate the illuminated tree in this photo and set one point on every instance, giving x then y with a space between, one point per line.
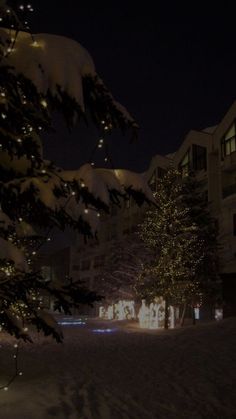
40 74
178 231
124 262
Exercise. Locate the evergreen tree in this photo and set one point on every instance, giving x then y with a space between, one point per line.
176 232
38 75
195 197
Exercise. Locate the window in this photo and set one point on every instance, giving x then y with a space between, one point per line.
161 172
228 145
152 181
234 224
127 203
199 157
85 265
114 209
99 261
184 165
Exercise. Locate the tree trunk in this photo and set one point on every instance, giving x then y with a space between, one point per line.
183 315
166 313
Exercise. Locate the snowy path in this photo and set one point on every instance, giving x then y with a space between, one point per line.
126 374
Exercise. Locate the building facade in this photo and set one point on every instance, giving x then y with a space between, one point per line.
211 153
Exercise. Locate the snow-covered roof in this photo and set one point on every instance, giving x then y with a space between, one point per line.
210 130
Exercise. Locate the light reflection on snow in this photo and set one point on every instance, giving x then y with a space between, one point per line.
72 322
104 330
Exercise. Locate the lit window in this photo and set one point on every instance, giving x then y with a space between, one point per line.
229 142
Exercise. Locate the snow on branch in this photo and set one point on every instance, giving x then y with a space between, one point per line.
57 66
11 253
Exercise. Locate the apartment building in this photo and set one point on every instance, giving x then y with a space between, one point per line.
211 153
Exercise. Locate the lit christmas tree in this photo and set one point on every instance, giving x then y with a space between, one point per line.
178 231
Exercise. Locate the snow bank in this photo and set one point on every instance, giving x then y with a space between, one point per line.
125 374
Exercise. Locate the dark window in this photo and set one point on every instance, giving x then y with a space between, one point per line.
234 224
153 181
114 209
184 165
161 172
99 261
85 265
75 267
199 157
228 145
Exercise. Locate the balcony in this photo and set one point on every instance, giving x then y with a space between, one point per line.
229 190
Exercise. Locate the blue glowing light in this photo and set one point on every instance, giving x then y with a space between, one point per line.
104 330
71 322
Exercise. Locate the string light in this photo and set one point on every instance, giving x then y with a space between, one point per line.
16 373
44 103
102 144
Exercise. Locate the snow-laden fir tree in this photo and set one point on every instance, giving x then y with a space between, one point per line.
183 236
41 73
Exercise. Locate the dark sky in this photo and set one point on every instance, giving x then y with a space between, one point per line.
173 68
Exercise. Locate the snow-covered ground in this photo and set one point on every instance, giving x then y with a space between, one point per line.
124 373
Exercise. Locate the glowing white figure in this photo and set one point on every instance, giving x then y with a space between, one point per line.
153 320
110 312
102 312
144 315
120 310
153 317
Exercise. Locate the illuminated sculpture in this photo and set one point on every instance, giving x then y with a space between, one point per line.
152 316
122 310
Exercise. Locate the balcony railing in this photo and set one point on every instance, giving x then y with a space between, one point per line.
229 190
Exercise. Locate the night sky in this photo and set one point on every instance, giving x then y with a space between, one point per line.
173 69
